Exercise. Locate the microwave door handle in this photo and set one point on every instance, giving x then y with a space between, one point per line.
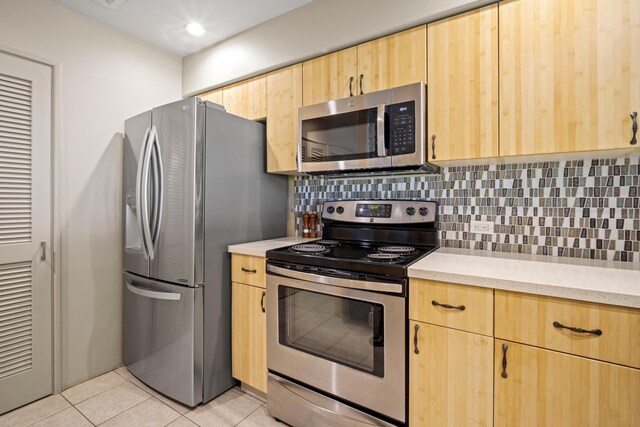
382 151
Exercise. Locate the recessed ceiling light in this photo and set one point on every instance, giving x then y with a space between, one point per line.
195 29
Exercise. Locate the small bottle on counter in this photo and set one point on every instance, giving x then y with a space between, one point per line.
305 224
313 225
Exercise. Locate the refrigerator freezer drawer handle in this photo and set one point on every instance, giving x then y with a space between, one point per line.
168 296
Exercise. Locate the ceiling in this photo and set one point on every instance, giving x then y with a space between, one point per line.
162 22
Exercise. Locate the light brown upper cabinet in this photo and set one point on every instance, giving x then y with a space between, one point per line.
284 97
247 99
329 77
569 75
463 86
395 60
214 96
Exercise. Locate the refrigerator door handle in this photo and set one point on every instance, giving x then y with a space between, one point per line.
139 191
144 203
159 187
167 296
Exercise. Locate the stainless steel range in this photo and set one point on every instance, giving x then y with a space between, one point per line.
336 315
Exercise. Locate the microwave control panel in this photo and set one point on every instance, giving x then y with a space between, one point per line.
402 128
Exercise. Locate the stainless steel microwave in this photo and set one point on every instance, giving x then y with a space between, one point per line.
378 130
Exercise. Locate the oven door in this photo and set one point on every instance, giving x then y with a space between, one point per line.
347 342
344 134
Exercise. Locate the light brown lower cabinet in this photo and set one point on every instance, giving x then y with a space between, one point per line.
450 377
248 335
537 387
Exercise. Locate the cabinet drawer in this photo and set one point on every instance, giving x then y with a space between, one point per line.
463 307
249 270
605 332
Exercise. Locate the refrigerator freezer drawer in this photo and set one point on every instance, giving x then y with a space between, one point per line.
162 332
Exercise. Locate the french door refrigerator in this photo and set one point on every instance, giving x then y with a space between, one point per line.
194 182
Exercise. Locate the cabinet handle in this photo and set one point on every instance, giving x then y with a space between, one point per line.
361 77
247 270
450 307
433 146
351 86
504 360
43 246
634 127
262 301
415 339
559 325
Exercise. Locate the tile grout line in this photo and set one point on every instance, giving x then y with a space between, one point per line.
78 410
41 419
125 409
248 415
84 400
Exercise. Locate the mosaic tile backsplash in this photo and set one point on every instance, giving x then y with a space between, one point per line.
578 208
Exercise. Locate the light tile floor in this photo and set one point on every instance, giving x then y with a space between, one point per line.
117 398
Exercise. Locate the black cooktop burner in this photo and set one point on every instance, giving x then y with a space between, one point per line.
328 242
310 248
397 249
384 257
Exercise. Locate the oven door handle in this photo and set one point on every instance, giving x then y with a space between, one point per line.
394 288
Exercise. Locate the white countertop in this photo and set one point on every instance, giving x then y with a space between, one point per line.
260 248
606 282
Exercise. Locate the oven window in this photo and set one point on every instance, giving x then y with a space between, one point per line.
342 330
347 136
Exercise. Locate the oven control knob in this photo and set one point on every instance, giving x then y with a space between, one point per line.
330 209
340 209
423 211
411 210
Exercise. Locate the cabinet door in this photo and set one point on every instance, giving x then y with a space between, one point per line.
395 60
249 335
569 75
450 378
247 99
327 77
546 388
463 86
214 96
284 97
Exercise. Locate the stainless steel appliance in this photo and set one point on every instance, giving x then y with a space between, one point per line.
378 130
194 182
336 315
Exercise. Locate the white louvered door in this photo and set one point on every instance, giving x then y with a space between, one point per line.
25 232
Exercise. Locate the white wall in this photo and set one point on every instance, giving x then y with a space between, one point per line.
314 29
105 76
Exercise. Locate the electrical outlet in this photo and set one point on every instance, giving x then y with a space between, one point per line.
482 227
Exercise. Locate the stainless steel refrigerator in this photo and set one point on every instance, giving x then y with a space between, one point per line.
194 182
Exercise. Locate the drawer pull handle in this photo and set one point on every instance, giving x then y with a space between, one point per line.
450 307
596 332
634 127
262 300
415 339
504 361
247 270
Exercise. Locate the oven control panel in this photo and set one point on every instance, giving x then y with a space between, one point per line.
381 211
